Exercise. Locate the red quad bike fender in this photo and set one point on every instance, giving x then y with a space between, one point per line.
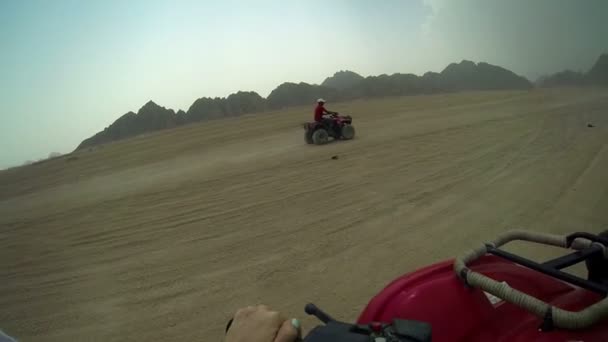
343 120
457 312
340 120
309 126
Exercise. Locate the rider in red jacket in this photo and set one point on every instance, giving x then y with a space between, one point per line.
320 111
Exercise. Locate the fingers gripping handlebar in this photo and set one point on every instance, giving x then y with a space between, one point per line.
336 331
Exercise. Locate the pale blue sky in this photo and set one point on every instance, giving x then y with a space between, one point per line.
69 68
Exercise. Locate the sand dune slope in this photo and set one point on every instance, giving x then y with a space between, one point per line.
161 237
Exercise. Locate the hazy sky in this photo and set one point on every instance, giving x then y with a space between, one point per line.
69 68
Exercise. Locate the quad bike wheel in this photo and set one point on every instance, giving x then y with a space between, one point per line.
347 132
320 137
308 137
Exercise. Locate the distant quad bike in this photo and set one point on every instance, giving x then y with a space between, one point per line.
337 127
488 294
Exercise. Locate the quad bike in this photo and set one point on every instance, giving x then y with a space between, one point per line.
337 127
488 294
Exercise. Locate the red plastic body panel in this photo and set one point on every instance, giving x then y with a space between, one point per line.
457 313
341 120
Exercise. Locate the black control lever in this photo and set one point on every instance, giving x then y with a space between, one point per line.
313 310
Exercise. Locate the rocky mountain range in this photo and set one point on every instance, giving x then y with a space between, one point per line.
343 85
596 76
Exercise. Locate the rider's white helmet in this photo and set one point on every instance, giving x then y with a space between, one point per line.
320 101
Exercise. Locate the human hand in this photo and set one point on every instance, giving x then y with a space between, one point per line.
261 324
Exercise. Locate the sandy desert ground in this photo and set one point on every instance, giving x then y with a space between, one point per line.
162 237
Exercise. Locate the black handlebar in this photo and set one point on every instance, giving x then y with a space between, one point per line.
335 331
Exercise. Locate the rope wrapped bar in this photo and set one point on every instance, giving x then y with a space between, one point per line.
561 318
542 238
